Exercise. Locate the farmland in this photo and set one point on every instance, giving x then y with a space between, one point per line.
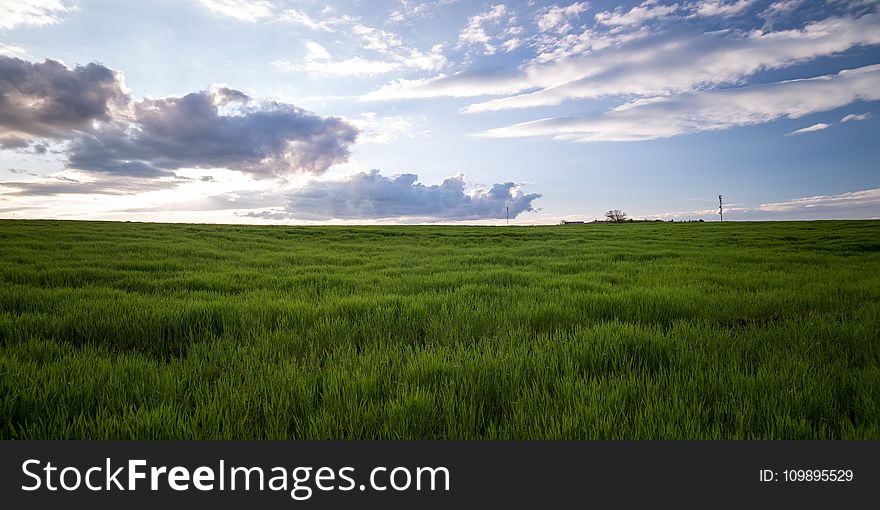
630 331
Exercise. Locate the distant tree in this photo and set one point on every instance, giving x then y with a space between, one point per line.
615 216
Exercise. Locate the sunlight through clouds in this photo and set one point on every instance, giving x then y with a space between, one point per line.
504 92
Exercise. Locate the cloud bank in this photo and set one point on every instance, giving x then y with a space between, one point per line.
116 145
374 196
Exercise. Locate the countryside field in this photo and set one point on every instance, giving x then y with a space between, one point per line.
630 331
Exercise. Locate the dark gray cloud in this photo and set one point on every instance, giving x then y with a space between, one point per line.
110 134
220 128
49 100
374 196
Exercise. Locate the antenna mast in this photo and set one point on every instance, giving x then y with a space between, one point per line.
721 208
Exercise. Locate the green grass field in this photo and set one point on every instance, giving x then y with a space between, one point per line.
643 330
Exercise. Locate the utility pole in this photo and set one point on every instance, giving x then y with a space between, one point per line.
507 210
721 208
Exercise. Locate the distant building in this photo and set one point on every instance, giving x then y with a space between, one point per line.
567 222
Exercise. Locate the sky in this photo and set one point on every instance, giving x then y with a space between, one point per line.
439 111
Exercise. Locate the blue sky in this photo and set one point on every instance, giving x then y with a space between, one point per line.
438 111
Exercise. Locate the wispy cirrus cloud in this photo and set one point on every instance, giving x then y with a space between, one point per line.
862 198
860 204
10 50
707 8
821 126
413 9
319 62
384 129
559 19
663 117
810 129
779 10
32 12
491 30
640 63
679 64
855 116
328 24
635 16
243 10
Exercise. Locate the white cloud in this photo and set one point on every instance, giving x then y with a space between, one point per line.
354 66
407 11
558 19
415 10
375 129
432 60
318 61
459 85
821 125
677 64
572 46
511 44
376 39
854 116
513 30
9 50
641 63
315 51
475 30
398 54
842 200
809 129
301 18
780 8
706 8
647 10
662 117
31 12
244 10
862 204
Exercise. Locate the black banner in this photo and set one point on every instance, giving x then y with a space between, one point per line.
437 474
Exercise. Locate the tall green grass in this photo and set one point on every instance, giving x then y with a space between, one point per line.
735 330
